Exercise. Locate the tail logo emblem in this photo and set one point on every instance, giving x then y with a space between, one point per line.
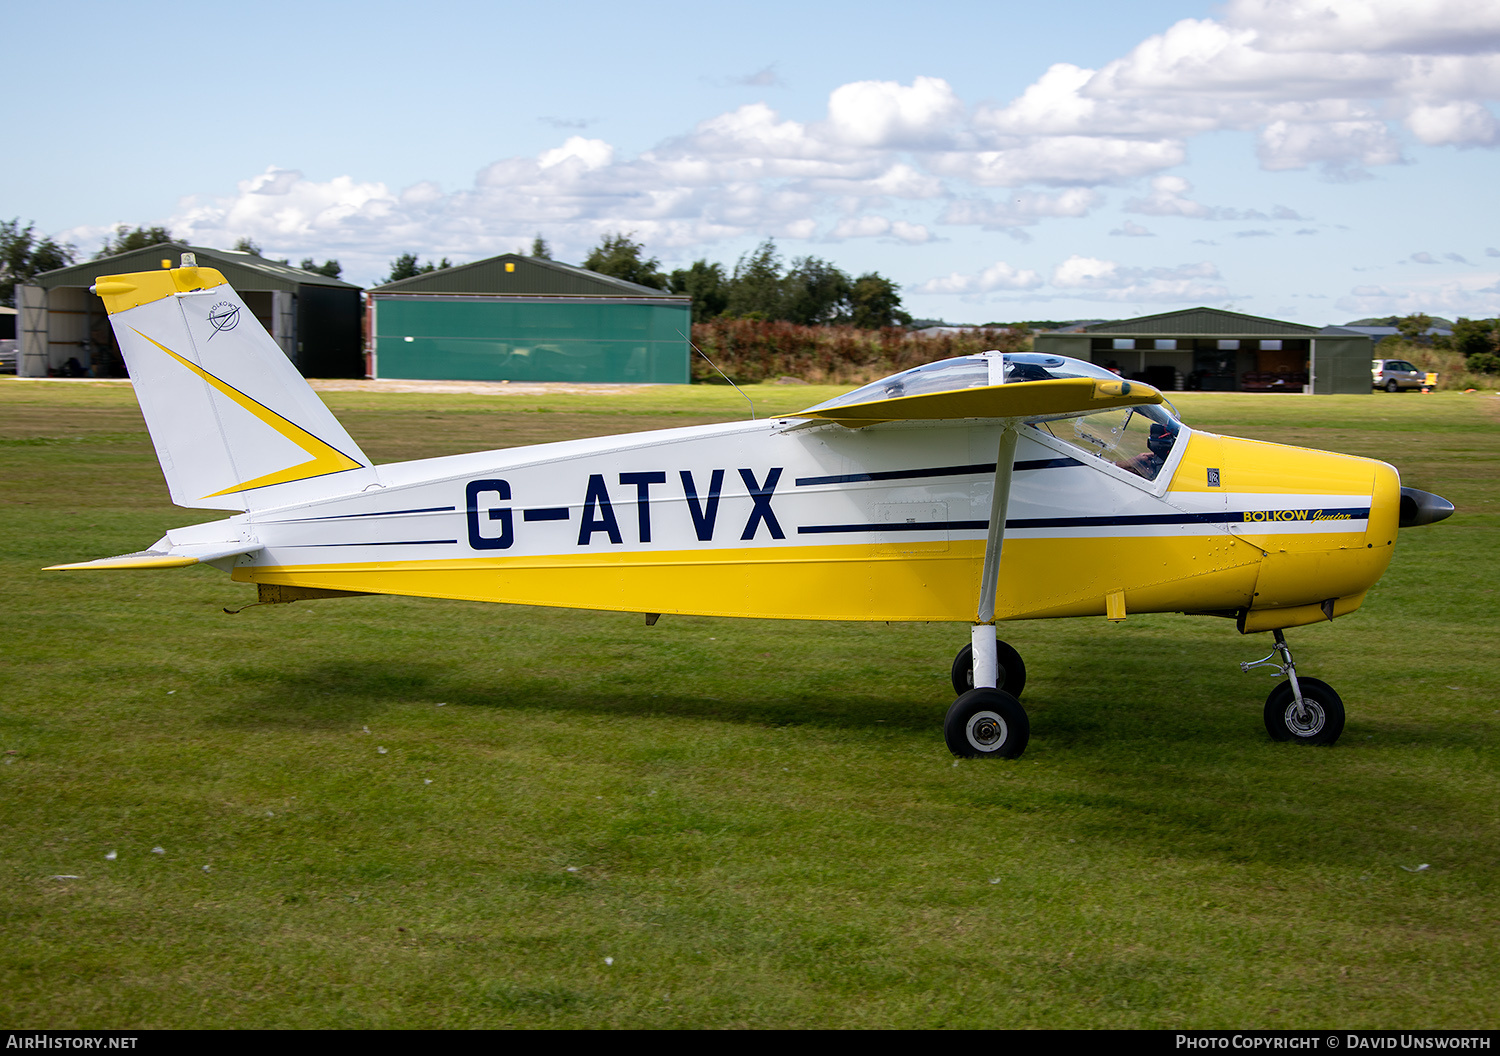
223 316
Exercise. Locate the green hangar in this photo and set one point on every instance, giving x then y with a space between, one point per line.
517 318
1221 351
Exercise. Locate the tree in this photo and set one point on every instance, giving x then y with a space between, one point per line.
706 284
1476 337
876 303
126 239
540 249
405 267
246 244
1413 327
331 268
815 293
621 257
23 255
755 290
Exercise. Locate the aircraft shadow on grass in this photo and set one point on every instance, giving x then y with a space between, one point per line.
1165 795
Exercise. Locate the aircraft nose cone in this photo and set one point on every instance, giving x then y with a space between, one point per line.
1422 507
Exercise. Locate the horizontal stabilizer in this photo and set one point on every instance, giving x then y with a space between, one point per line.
175 557
1061 397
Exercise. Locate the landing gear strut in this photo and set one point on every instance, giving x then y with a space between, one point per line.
1304 710
1010 672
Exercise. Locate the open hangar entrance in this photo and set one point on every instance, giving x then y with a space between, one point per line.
1213 350
65 331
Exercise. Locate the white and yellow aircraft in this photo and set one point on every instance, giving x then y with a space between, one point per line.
893 502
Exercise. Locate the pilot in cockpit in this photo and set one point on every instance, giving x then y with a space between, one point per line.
1159 443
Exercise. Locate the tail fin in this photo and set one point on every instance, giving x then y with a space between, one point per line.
234 425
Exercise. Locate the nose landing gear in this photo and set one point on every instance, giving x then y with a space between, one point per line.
1304 710
987 721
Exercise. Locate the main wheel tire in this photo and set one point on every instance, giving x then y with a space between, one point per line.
987 724
1391 386
1012 670
1320 722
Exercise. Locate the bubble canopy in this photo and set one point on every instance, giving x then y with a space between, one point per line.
971 372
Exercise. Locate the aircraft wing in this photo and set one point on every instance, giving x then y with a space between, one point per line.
1027 400
172 557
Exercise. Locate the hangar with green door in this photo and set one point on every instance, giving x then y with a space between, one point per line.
518 318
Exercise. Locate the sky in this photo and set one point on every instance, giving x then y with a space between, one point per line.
1309 160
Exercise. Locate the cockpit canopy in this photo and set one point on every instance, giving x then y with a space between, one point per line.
971 372
1138 440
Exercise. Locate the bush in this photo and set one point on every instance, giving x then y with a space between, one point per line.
1484 363
753 350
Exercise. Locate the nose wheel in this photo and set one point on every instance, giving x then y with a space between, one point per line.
987 720
1304 710
987 724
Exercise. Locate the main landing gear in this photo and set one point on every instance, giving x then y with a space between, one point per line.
1304 710
987 721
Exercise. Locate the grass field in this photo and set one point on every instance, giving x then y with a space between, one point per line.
385 812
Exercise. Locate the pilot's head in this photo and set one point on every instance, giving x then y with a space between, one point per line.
1161 439
1026 372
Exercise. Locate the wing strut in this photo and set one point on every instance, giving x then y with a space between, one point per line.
986 661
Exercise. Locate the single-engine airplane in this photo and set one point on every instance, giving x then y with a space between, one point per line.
892 502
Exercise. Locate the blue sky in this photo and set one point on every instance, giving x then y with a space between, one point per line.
1314 160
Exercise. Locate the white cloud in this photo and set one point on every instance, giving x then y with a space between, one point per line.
1020 209
1476 296
1342 147
1110 281
1169 197
1317 80
887 114
870 226
1131 229
1341 85
1461 124
1413 26
587 153
1085 160
998 276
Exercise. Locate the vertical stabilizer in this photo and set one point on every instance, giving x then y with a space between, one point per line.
234 425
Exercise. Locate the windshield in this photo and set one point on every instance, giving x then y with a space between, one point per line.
1136 439
969 372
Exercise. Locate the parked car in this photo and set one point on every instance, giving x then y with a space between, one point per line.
1393 375
7 356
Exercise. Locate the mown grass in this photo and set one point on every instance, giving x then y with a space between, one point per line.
756 822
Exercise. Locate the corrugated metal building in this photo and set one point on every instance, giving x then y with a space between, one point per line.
1215 350
515 318
315 319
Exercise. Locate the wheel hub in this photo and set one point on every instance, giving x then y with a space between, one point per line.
986 731
1307 720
